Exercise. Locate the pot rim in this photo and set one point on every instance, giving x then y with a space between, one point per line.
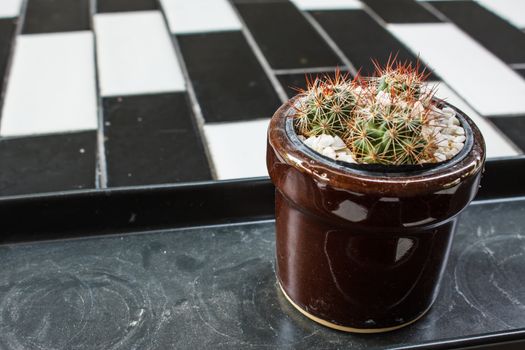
380 169
292 151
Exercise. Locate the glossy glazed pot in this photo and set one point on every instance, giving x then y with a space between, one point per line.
359 248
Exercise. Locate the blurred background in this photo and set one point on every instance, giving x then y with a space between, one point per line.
109 93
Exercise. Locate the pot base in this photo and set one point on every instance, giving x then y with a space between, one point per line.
344 328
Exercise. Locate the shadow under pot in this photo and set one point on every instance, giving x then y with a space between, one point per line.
363 248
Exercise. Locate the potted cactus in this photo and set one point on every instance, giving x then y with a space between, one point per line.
370 176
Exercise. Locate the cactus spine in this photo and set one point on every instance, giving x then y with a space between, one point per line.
386 119
326 107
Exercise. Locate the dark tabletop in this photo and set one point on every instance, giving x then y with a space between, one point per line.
214 287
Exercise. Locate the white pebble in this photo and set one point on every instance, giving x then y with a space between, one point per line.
440 157
449 131
459 139
450 152
457 145
325 141
440 137
328 152
345 157
442 143
438 123
449 112
312 142
459 130
454 121
338 143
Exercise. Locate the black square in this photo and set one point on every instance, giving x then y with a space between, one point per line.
401 11
46 16
362 39
229 82
125 5
151 139
513 127
48 163
285 37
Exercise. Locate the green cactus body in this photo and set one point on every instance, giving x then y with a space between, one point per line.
399 84
390 138
382 120
325 108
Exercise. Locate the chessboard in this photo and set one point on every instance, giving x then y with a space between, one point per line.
111 93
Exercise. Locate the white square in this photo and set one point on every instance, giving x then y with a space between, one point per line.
198 16
311 5
238 149
51 87
484 81
10 8
135 54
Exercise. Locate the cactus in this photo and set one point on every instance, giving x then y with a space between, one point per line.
390 135
402 80
389 129
325 106
386 119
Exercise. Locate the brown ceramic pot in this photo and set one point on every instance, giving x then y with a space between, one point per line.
363 249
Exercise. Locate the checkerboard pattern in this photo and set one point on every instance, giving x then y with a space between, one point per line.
108 93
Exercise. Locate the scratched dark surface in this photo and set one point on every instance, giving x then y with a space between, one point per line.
215 288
